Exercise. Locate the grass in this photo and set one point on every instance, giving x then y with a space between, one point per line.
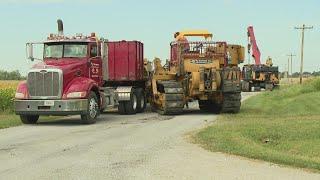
282 126
9 120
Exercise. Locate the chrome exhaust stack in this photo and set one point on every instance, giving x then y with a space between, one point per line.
60 27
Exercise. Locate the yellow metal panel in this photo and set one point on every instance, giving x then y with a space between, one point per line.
237 54
194 84
201 33
191 67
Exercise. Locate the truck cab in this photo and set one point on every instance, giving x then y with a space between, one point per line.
68 81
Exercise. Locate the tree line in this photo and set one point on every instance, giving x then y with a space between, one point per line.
297 74
11 75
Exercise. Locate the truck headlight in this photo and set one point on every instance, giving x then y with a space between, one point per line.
81 94
19 95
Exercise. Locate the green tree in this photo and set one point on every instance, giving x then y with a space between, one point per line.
11 75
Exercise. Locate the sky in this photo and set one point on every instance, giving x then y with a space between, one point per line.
154 23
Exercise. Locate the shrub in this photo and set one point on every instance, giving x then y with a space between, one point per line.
7 92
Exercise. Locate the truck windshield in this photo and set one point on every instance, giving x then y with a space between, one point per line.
65 50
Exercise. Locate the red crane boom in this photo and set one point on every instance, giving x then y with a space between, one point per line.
253 44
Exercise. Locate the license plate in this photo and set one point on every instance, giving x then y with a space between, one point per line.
48 103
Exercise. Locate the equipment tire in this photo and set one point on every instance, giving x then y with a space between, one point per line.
29 119
93 110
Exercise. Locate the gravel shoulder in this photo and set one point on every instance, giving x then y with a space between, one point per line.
142 146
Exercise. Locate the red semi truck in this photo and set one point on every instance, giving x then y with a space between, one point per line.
82 75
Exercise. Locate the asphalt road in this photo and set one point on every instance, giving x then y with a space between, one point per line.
142 146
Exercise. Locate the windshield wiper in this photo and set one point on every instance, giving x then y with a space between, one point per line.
72 57
52 57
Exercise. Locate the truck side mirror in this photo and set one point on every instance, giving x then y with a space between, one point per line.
29 49
89 63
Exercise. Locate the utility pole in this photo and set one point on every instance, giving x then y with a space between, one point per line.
290 55
288 76
302 43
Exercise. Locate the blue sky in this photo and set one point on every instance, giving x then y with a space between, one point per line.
154 22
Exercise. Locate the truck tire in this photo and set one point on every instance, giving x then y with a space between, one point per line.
121 107
131 105
92 111
29 119
141 101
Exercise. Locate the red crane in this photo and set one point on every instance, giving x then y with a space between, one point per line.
253 44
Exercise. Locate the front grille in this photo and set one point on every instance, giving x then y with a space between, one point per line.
44 84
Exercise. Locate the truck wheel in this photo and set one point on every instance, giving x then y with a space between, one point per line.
121 107
92 111
131 105
29 119
141 101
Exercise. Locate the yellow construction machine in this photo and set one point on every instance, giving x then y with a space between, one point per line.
256 76
201 70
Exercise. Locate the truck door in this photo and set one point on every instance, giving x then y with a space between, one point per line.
95 72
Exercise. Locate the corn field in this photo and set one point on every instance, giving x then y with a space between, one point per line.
7 92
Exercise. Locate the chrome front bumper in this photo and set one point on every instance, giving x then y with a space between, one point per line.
51 107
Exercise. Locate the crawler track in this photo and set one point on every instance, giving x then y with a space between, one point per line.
231 103
173 98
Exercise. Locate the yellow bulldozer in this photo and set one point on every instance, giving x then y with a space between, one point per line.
201 70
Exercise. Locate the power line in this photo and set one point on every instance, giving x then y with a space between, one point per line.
302 44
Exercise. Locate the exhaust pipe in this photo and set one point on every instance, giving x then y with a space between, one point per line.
60 27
